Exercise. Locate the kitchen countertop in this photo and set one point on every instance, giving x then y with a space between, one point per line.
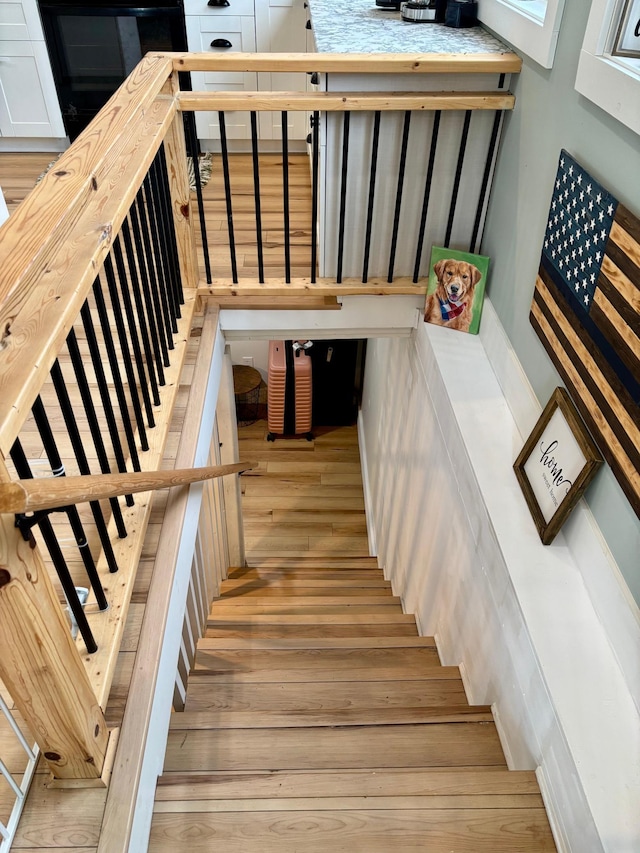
359 26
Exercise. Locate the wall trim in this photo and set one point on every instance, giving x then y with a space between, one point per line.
561 840
368 499
608 591
516 614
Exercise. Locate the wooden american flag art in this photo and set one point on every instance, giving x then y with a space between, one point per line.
586 311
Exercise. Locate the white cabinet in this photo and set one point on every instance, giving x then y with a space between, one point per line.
272 26
222 33
28 101
280 28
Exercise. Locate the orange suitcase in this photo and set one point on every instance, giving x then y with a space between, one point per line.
289 389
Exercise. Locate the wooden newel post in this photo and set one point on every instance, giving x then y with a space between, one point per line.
41 667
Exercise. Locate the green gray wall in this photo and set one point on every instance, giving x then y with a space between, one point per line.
550 115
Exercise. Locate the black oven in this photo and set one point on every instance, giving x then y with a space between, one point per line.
94 46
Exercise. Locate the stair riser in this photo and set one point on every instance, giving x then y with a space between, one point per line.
266 630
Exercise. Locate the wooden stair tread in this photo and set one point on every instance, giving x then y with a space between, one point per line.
335 719
309 628
212 643
310 562
378 782
312 574
258 587
414 745
411 831
344 617
324 696
324 664
221 609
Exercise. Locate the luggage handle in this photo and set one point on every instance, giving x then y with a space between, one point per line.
297 346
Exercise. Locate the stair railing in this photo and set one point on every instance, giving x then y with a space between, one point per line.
99 283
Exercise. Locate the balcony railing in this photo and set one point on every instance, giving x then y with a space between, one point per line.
99 286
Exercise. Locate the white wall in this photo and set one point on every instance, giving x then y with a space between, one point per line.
4 212
257 350
456 539
549 115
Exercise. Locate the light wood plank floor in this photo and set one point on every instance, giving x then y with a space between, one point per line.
18 173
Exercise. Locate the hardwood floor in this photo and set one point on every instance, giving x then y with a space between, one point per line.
19 172
271 212
316 718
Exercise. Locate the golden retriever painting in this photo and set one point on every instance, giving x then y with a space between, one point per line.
450 299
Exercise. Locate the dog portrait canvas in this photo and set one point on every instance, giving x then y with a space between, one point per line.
456 289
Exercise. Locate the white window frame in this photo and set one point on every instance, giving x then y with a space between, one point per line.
611 82
531 26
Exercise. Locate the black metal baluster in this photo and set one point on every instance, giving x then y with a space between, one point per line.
23 471
166 302
256 194
154 268
456 183
57 467
103 459
140 316
167 212
343 194
190 125
147 292
126 353
372 190
103 388
427 193
315 160
161 246
133 331
285 197
227 196
485 179
396 215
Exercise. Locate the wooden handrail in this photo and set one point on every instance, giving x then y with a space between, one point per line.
354 63
347 101
51 492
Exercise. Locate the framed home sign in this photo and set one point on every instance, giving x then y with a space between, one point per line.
627 40
556 465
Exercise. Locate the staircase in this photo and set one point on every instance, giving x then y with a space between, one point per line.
317 720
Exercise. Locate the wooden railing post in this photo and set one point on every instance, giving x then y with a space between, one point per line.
176 153
41 667
229 453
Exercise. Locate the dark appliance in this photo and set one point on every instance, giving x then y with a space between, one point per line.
461 13
94 46
338 373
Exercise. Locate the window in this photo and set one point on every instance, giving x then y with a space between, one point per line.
612 82
531 26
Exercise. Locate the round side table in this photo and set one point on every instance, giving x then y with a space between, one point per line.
246 388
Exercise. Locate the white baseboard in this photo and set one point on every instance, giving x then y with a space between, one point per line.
562 843
368 499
